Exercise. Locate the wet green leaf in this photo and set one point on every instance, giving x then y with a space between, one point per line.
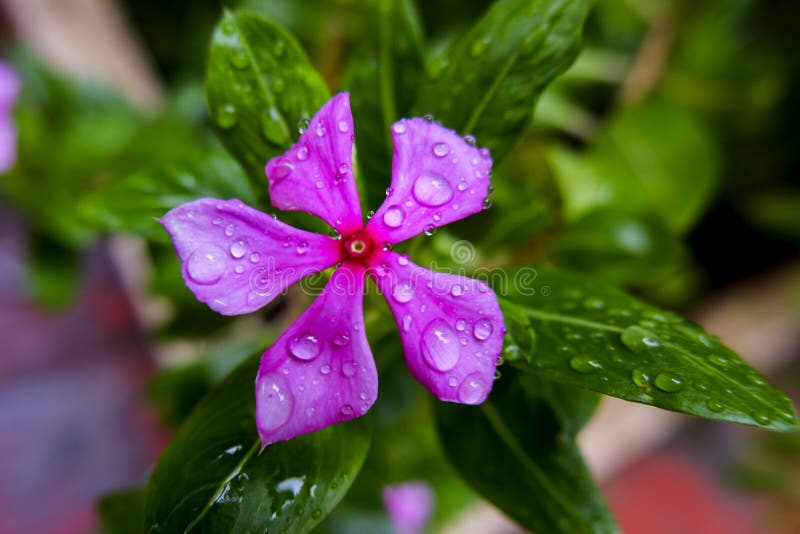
592 335
122 512
214 477
521 455
259 85
486 83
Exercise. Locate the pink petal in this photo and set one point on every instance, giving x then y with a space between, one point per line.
316 174
451 327
9 87
320 371
409 506
437 178
237 259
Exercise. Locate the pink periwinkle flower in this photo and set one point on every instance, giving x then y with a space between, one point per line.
9 89
409 506
321 370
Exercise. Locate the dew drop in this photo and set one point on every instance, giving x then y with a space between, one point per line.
341 339
439 346
343 126
346 410
479 46
440 150
429 230
472 389
640 378
638 339
762 419
349 368
310 411
470 140
393 216
399 128
255 257
668 383
239 269
584 364
719 361
407 323
457 290
238 249
206 265
452 381
325 369
715 406
238 58
431 189
302 248
302 153
275 402
403 292
482 329
227 116
306 347
402 260
370 214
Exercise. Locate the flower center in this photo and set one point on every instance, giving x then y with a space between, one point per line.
358 246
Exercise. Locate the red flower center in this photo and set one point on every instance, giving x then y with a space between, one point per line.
358 246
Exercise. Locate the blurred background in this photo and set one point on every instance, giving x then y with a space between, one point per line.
103 350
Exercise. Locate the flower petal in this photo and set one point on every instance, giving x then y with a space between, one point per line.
320 371
409 506
316 174
237 259
9 87
451 327
437 178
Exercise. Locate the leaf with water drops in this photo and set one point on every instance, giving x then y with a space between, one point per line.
517 450
382 74
214 477
259 85
486 83
592 335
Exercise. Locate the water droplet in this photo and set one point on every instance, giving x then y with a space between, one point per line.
470 140
239 269
482 329
668 383
399 128
239 58
310 411
402 260
757 379
275 402
472 389
302 248
439 346
227 116
319 184
718 360
762 419
371 214
479 46
341 340
457 290
255 257
389 191
452 381
584 364
593 304
281 171
306 347
640 378
346 410
429 230
403 292
715 406
343 126
487 203
302 125
316 514
302 153
431 189
206 265
407 323
349 368
238 249
638 339
440 150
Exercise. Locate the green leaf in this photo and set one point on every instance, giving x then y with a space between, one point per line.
259 85
592 335
122 512
214 477
522 457
652 159
617 247
486 83
135 202
382 76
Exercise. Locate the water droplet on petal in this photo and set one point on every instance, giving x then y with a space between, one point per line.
668 383
431 189
452 381
306 347
439 346
302 125
403 292
239 269
346 410
472 389
482 329
440 150
429 230
238 249
343 126
274 401
310 411
349 368
302 153
325 369
302 248
206 265
407 323
255 257
393 216
402 260
470 139
371 214
461 325
457 290
399 128
341 340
